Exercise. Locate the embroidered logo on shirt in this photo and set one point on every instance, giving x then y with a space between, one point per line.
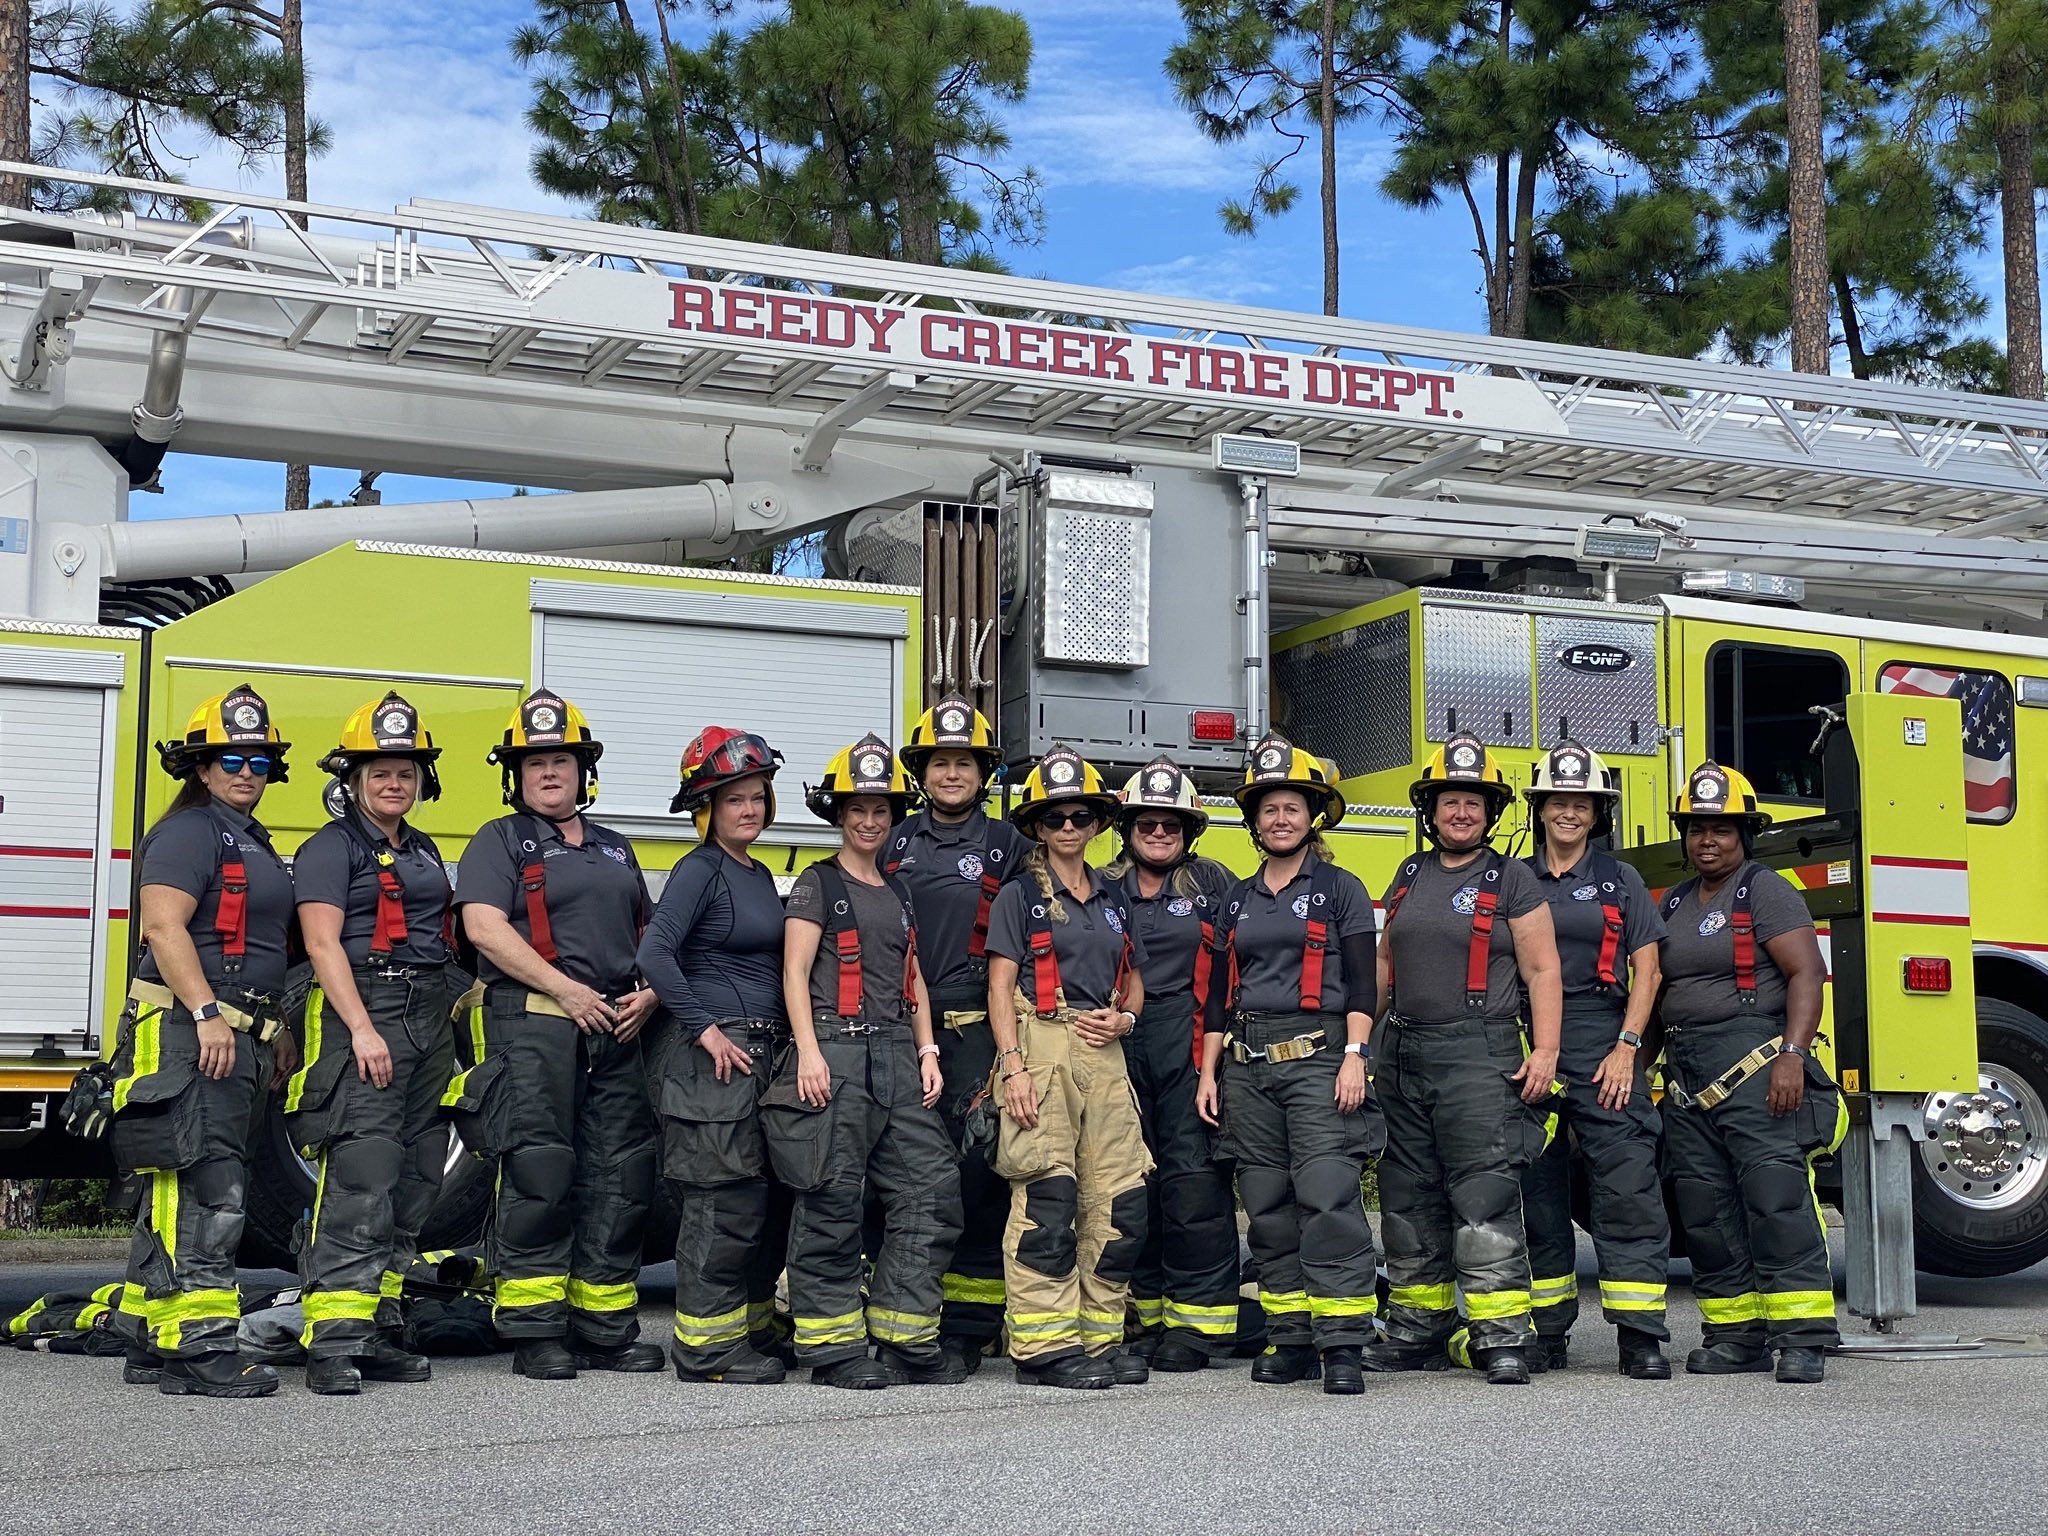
1301 905
1586 893
1712 924
970 866
618 854
1114 918
1180 906
1466 901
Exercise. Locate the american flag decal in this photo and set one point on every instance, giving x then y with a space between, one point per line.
1986 699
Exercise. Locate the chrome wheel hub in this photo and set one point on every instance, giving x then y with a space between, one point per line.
1986 1149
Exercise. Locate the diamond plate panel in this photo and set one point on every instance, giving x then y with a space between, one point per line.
1609 711
1096 607
1475 674
1346 696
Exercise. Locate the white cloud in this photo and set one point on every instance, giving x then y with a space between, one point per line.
1228 276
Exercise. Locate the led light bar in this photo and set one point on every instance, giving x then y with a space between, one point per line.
1246 455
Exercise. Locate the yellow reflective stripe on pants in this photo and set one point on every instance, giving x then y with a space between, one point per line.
1747 1308
1424 1298
1553 1290
846 1328
391 1286
18 1324
169 1315
893 1327
1217 1322
760 1316
134 1301
724 1328
967 1288
330 1306
1149 1310
148 1055
1617 1296
1097 1327
1037 1325
1284 1301
1487 1306
309 1052
1343 1306
163 1211
536 1292
1784 1306
586 1297
1459 1346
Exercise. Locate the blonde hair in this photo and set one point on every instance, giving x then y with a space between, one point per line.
1038 864
1181 877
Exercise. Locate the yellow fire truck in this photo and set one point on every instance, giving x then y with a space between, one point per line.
1163 528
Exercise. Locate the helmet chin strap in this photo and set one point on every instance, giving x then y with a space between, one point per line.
1153 867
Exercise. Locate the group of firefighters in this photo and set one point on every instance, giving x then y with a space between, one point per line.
965 1087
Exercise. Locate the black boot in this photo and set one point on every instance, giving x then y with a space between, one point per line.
388 1360
1283 1364
859 1374
966 1348
1145 1345
1130 1370
1805 1366
744 1367
633 1356
219 1373
142 1367
333 1376
1178 1353
544 1360
1085 1373
1727 1358
945 1371
1507 1367
1642 1358
1343 1376
1387 1355
1546 1354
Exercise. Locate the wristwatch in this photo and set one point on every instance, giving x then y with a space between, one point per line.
1126 1013
1787 1048
1357 1048
1629 1038
206 1013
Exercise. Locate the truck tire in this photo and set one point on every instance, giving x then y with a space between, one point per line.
1980 1181
280 1194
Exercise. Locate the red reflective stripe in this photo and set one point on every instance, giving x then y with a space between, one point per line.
1231 977
1393 905
977 946
534 879
910 972
231 921
1610 945
1123 974
1045 974
1204 962
1745 954
1315 941
391 930
1482 944
850 982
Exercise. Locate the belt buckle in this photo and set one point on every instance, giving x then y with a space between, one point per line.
1246 1053
860 1027
1298 1049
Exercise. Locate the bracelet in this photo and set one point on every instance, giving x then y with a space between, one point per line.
927 1050
1787 1048
1015 1050
1020 1072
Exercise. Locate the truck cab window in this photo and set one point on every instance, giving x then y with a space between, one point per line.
1758 697
1986 699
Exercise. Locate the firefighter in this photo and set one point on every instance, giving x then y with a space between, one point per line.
553 903
1296 951
193 1054
1065 987
1607 931
852 1106
373 907
714 953
1468 933
1747 1107
953 859
1184 1293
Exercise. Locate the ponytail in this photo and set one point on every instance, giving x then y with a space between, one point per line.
191 794
1039 866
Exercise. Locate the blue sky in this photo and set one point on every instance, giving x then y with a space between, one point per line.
424 101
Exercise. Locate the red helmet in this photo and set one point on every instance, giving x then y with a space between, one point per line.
717 755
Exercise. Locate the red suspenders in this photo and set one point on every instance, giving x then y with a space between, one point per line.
1485 906
231 920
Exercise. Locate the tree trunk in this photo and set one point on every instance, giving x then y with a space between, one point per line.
2015 139
1499 291
14 102
298 478
1329 108
1521 267
657 126
20 1204
693 215
1852 327
1807 176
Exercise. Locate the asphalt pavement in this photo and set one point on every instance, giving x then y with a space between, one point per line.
1883 1445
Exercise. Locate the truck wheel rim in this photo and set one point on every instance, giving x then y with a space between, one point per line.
1986 1149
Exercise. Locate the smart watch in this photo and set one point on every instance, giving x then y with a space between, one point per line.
1629 1038
1787 1048
1358 1049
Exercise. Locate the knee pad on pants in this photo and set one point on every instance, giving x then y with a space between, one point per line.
1048 1244
1701 1207
1782 1221
1269 1208
1333 1226
1488 1209
369 1165
533 1203
1196 1205
721 1226
1130 1213
426 1155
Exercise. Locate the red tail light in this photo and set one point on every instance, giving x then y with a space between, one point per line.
1213 725
1926 974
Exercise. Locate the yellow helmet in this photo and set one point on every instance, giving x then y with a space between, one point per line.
865 768
1061 775
236 719
1569 768
1161 785
547 722
951 724
1462 762
1277 763
386 727
1711 790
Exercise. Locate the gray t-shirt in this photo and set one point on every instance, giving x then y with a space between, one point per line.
1170 924
185 852
883 923
1088 946
333 868
1268 930
594 896
1699 950
941 864
1576 899
1430 939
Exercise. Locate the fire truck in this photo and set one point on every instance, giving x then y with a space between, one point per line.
1132 523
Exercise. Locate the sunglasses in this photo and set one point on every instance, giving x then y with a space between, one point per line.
1080 817
1157 826
232 763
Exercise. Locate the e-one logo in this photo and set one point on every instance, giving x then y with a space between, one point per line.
1596 658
